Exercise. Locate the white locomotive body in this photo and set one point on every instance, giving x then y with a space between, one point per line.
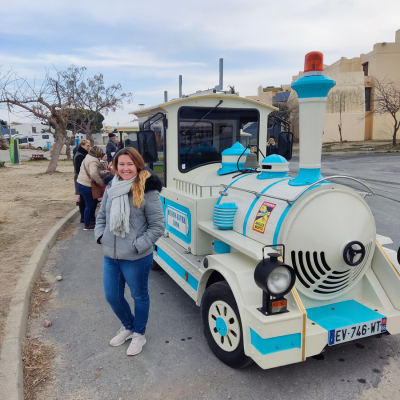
223 217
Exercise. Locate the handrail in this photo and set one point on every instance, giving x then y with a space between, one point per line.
291 201
192 187
257 194
371 193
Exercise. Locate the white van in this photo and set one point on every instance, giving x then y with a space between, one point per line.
39 141
42 140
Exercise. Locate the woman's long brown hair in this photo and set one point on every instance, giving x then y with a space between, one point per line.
138 184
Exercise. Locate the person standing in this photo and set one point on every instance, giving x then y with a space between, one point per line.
271 147
111 147
80 154
129 223
89 173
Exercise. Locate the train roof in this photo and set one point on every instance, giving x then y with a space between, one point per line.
162 108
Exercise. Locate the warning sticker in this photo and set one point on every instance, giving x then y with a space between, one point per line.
262 216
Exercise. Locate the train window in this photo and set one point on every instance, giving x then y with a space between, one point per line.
204 135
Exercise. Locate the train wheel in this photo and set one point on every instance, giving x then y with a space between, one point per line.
222 326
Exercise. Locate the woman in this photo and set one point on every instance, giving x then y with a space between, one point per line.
80 154
271 147
128 224
89 173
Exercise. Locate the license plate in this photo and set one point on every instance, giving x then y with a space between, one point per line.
357 331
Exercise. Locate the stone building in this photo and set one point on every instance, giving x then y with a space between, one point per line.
350 102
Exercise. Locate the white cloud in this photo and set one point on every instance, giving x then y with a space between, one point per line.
98 57
327 25
146 45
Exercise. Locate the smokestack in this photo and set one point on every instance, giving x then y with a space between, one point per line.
221 75
165 96
312 90
180 86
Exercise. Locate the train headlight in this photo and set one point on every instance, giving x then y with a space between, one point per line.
276 279
279 280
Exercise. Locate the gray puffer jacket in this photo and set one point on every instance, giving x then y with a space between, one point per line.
146 225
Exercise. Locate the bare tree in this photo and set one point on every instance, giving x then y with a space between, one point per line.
341 104
386 100
48 101
93 98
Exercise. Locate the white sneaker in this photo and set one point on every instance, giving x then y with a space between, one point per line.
122 336
137 343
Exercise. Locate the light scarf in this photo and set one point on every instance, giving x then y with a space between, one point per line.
120 207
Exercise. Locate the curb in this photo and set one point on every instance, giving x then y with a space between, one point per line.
11 373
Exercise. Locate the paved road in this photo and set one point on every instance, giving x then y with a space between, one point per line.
176 362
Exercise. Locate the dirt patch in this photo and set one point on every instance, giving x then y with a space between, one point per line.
31 202
366 146
40 295
38 361
37 357
67 232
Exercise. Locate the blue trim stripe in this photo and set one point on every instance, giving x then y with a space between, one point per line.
254 202
220 197
275 344
194 283
279 224
342 314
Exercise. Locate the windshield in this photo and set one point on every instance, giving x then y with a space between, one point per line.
202 143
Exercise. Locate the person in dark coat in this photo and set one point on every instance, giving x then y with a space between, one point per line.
80 154
111 147
271 147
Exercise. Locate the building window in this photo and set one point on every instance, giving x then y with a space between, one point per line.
365 68
368 99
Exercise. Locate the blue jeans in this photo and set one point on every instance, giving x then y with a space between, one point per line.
91 204
136 274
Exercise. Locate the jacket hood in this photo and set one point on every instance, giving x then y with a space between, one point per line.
152 182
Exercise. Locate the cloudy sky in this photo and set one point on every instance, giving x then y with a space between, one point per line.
145 45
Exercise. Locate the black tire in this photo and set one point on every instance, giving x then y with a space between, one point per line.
155 266
213 302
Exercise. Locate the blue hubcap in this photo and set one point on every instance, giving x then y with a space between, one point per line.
221 326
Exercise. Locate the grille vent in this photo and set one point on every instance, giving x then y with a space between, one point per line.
314 273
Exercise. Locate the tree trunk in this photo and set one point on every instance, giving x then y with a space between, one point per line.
58 144
68 147
396 128
90 137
